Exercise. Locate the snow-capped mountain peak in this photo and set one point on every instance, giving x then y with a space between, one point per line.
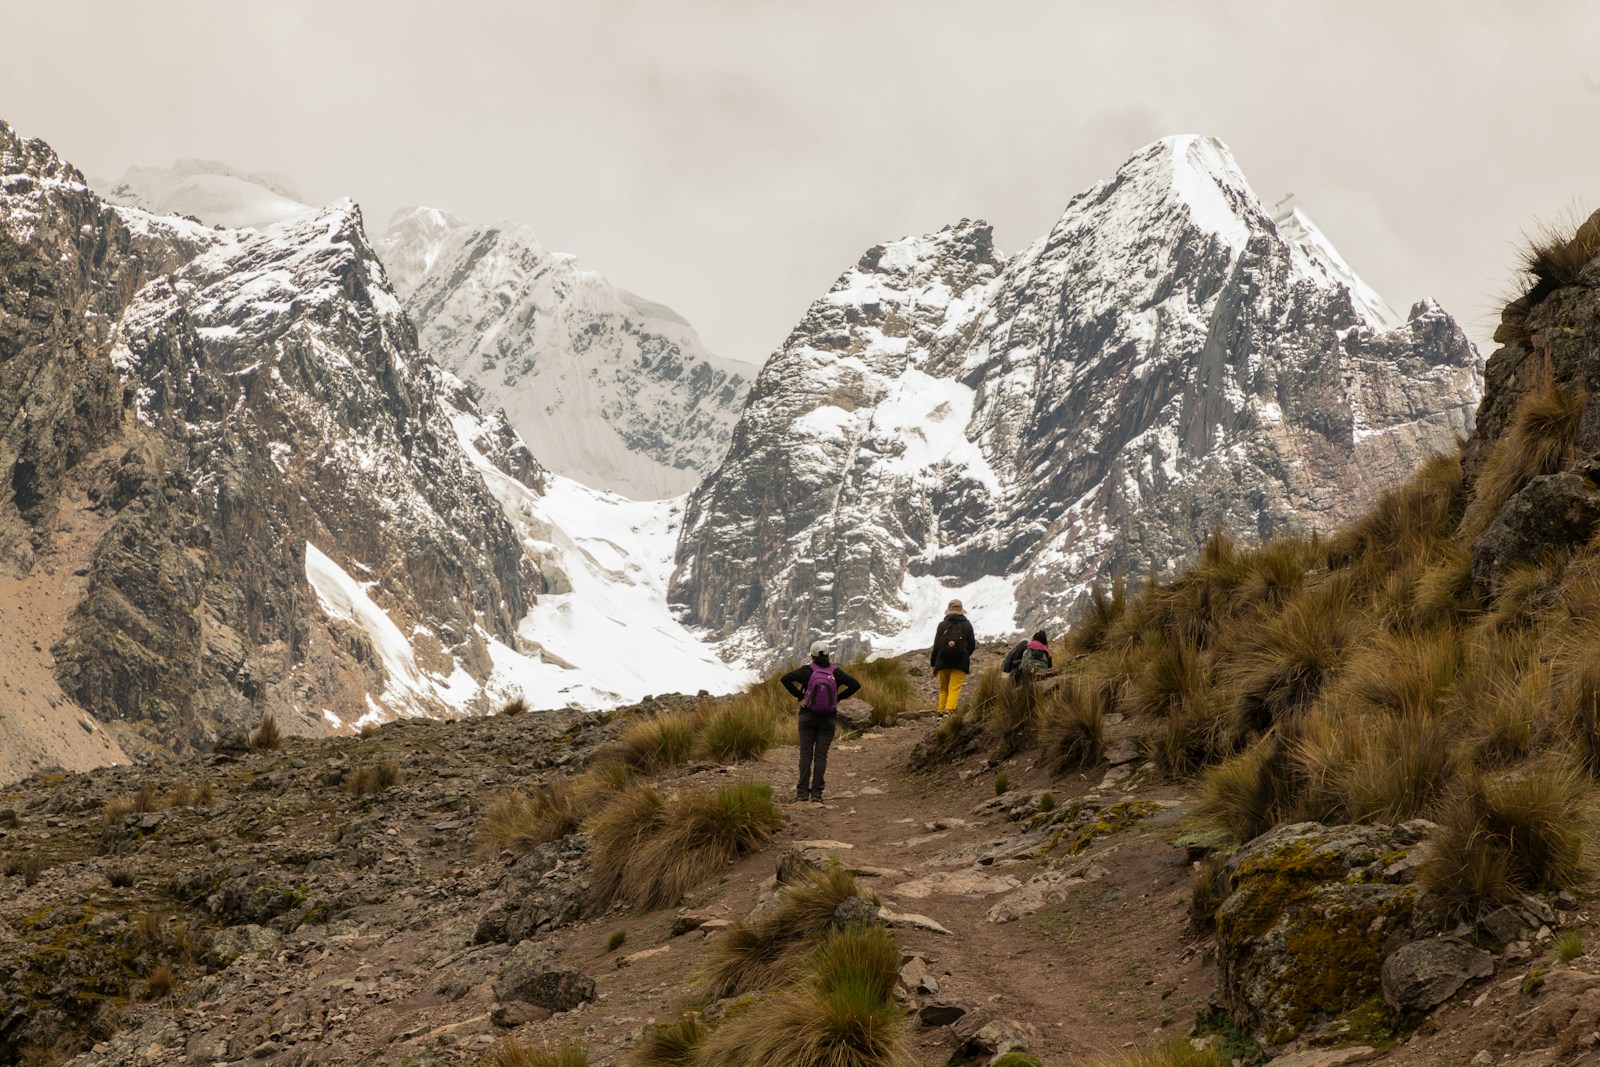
606 387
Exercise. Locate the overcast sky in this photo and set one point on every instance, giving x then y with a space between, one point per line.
731 157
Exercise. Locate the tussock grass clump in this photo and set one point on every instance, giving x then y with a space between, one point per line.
616 940
1098 617
120 878
513 1053
372 778
1556 255
955 736
1500 838
517 705
267 736
766 954
141 800
160 983
368 731
1175 1053
736 730
1002 782
1207 891
649 851
1538 441
1009 711
674 1044
655 742
845 1027
527 818
1072 725
885 687
191 795
1567 946
1279 665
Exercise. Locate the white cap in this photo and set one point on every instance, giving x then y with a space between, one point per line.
819 648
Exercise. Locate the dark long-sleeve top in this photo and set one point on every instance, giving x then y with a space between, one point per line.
960 657
795 682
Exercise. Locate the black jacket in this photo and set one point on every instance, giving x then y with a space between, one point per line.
795 682
960 657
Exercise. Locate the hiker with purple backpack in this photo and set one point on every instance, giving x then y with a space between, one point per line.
819 686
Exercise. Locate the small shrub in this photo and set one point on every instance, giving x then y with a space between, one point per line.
885 687
120 878
513 1053
1047 801
144 799
1497 839
673 1044
368 731
1175 1053
160 984
649 852
737 730
655 742
267 736
524 819
848 1026
1567 946
1072 726
763 955
616 940
372 778
1002 782
517 705
1207 892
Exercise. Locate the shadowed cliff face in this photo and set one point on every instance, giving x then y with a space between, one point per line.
266 393
1168 358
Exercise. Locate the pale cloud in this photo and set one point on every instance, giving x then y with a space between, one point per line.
731 158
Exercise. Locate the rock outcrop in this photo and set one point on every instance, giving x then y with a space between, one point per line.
608 388
244 415
1170 357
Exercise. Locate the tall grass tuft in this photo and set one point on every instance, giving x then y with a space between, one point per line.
736 730
674 1044
1098 617
1175 1053
1072 725
267 736
1499 838
524 819
655 742
372 778
762 955
650 851
806 1027
1278 665
513 1053
1538 441
885 687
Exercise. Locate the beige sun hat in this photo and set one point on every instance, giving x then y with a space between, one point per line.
954 608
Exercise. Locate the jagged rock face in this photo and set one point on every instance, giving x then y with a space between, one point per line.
606 387
224 402
1169 358
289 405
68 266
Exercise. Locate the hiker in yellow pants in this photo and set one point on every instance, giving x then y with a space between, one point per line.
953 645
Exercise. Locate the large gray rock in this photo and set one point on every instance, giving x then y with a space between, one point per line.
531 975
1550 514
1423 974
1311 917
1093 405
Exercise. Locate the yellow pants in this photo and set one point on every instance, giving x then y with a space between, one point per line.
950 682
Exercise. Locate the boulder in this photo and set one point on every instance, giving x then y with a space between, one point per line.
531 974
1424 974
1311 917
1550 513
993 1038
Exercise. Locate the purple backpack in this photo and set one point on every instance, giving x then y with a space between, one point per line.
822 692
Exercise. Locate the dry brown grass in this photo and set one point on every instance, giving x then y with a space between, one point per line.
1072 724
649 850
370 779
513 1053
674 1044
655 743
1538 441
885 688
267 736
527 818
766 954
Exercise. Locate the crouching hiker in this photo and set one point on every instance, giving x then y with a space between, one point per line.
819 686
1029 659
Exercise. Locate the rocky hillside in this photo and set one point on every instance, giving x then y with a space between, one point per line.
606 387
206 424
950 420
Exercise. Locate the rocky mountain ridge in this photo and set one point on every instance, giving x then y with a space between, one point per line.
948 420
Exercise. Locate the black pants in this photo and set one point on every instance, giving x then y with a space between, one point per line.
816 734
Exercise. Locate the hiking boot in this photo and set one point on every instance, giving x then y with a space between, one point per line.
801 798
816 798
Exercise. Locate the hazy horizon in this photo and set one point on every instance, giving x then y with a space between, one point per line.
731 159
